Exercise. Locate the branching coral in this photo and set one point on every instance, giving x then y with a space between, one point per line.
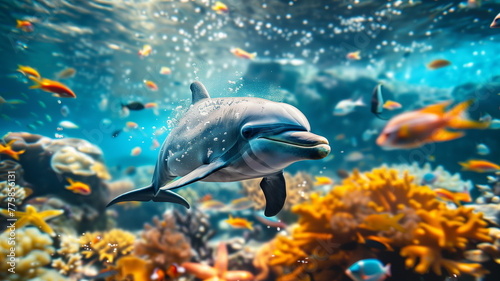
70 260
33 250
108 245
163 243
131 268
326 223
297 190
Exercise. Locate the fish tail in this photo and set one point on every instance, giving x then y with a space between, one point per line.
253 55
465 166
38 83
359 102
459 120
387 269
70 180
19 23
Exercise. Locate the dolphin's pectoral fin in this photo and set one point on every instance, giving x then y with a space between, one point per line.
147 194
197 174
274 188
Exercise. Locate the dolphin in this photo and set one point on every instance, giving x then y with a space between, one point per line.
231 139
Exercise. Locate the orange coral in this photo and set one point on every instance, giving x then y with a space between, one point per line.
131 268
328 222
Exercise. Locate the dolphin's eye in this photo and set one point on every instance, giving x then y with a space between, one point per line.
247 132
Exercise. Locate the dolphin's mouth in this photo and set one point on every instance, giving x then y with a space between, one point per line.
298 138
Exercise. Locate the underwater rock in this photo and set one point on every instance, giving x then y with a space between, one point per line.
48 163
195 225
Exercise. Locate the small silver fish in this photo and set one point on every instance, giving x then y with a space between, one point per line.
482 149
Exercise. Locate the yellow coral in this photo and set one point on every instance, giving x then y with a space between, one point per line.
328 222
33 250
107 245
131 268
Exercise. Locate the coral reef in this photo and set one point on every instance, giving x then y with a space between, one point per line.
70 260
20 193
444 179
48 162
107 246
298 188
189 194
195 225
434 234
131 268
162 243
7 166
33 251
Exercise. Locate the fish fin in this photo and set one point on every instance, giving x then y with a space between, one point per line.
197 174
147 193
380 116
444 135
10 143
438 108
387 269
70 180
253 55
19 23
198 91
274 189
458 119
37 84
465 165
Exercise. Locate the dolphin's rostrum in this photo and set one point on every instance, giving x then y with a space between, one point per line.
231 139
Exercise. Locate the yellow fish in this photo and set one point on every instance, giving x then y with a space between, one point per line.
239 222
78 187
383 222
28 70
323 181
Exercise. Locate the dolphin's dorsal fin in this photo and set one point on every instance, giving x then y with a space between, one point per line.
199 92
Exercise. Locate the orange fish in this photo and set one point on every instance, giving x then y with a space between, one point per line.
7 149
479 166
354 55
439 63
151 85
24 25
131 125
383 222
155 144
175 270
136 151
145 51
27 70
391 105
165 70
158 275
60 90
220 8
239 222
150 105
243 54
415 128
205 198
454 197
78 187
323 181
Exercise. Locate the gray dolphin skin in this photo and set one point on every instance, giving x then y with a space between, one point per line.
231 139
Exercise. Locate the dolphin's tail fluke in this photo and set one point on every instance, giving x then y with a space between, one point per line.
147 194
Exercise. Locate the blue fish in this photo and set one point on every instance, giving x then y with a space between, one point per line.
368 270
429 178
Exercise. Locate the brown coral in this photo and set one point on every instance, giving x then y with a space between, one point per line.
108 245
326 223
163 243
